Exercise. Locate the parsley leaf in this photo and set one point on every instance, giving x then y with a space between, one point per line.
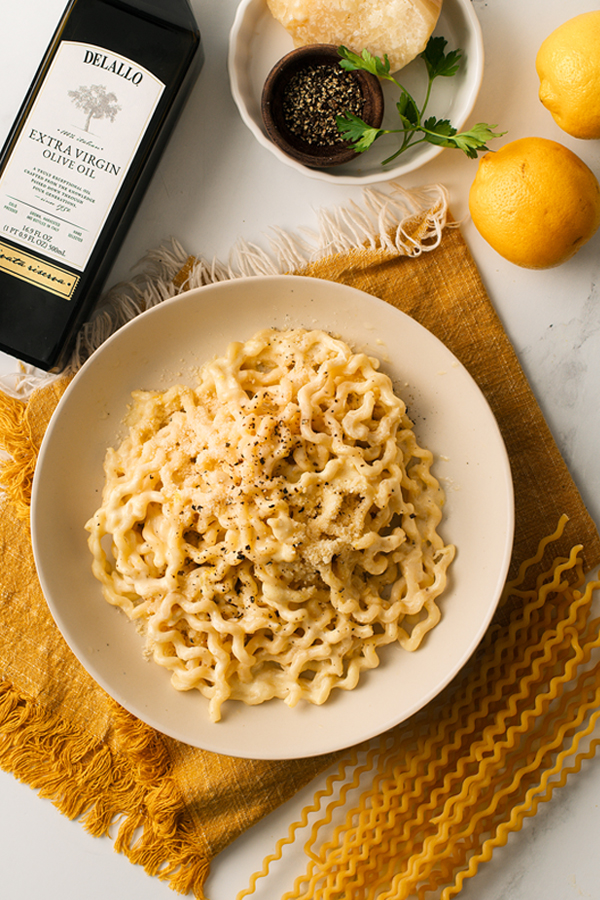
438 131
475 140
408 110
352 61
439 63
415 128
355 130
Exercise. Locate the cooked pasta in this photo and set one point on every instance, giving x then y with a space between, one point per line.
274 526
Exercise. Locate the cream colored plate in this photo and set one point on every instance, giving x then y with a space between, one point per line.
257 41
164 346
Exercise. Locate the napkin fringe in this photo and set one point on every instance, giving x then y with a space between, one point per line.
19 444
403 223
86 780
397 221
16 440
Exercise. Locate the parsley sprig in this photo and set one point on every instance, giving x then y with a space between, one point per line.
416 129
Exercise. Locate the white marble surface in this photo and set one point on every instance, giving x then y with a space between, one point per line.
215 185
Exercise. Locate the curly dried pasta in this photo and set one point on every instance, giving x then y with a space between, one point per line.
275 526
445 789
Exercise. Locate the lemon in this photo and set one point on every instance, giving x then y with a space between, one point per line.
535 202
568 66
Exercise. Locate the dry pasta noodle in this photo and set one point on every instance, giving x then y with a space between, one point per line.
447 787
276 525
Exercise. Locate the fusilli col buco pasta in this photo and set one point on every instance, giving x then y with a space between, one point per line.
274 526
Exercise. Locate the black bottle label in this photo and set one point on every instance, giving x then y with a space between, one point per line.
70 160
38 272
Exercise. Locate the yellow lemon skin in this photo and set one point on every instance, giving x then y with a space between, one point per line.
535 202
568 66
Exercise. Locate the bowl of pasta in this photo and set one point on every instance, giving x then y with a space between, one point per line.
263 538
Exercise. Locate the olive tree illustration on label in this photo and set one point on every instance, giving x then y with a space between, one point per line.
96 102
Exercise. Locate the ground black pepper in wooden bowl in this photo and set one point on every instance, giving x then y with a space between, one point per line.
303 95
314 97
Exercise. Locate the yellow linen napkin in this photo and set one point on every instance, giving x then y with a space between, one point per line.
177 806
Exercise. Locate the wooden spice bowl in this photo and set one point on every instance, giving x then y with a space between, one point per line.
303 142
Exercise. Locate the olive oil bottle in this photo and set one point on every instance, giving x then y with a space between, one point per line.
78 159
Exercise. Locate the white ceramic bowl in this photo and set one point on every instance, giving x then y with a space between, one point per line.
257 41
165 346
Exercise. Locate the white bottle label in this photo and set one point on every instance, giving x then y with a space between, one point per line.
77 144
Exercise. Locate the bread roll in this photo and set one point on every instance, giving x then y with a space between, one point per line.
398 28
